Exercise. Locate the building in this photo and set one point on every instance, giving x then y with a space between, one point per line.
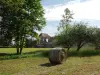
46 41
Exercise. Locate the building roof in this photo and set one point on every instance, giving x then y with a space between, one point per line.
44 35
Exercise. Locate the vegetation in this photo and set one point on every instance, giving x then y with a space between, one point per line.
10 53
20 18
32 61
81 34
95 38
64 38
66 19
76 34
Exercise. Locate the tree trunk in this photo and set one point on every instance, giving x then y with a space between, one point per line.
78 48
68 49
21 50
17 46
21 45
17 50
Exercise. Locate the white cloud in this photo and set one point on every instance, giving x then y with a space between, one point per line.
51 30
85 10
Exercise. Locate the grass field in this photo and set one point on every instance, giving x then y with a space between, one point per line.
34 61
13 50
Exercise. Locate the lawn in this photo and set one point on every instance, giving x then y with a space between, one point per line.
13 50
37 63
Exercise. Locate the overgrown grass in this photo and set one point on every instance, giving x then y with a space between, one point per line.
83 53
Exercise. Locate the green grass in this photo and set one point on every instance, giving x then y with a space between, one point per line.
13 50
42 53
84 52
10 53
34 61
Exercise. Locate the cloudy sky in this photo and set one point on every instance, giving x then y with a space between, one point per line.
84 10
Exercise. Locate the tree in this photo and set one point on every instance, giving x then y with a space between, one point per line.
21 18
95 38
65 39
66 19
4 42
32 41
81 34
77 34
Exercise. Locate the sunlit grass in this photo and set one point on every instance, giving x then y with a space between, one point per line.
40 66
10 53
13 50
34 61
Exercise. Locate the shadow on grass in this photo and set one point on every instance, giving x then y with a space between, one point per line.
48 65
3 54
83 53
44 53
38 53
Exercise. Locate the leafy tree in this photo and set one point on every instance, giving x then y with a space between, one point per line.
95 38
65 39
77 34
21 18
81 34
66 19
32 41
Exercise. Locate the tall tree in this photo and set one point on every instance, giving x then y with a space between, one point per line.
21 18
63 37
66 19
